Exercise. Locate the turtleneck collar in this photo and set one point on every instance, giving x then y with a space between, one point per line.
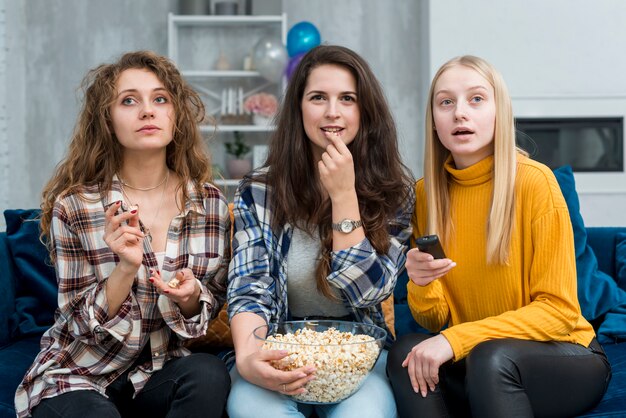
479 173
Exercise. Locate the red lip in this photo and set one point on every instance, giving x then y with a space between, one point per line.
148 128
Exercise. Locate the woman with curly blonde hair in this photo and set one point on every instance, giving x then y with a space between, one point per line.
141 241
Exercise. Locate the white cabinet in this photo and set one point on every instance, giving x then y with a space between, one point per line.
213 53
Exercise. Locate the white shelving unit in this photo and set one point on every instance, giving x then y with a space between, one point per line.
195 43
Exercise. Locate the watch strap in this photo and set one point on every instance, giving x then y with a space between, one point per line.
353 225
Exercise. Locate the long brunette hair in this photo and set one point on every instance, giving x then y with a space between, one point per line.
382 180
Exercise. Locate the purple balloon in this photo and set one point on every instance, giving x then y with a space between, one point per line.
293 64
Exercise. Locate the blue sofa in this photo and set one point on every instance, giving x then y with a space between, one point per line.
601 269
603 240
28 298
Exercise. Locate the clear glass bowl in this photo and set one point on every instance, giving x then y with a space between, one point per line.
343 353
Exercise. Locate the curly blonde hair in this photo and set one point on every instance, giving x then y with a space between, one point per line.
95 154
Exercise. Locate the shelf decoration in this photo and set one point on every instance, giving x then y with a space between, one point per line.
262 106
269 57
232 110
222 63
301 38
238 165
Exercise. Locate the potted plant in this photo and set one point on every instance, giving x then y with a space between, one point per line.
263 107
238 166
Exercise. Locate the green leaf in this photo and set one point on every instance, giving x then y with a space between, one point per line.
237 148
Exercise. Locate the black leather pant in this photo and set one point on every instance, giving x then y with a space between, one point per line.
192 386
505 378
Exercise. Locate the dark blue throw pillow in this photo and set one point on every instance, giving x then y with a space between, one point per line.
36 287
7 290
598 293
620 261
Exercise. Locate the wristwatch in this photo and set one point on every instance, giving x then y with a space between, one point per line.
347 225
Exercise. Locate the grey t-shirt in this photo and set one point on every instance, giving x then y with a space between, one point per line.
304 298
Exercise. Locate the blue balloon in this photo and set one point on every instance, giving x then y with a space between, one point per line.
302 37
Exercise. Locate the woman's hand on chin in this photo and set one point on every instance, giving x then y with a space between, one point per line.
336 169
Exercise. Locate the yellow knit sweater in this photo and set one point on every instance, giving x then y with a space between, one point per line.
534 296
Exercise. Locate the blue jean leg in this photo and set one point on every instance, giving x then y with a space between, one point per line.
248 400
374 399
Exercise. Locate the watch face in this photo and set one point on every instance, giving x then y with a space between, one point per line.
346 226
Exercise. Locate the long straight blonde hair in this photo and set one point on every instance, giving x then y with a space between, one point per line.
501 216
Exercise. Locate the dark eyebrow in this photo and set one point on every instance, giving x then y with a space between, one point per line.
158 89
323 92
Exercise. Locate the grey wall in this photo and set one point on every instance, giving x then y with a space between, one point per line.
559 58
46 47
50 45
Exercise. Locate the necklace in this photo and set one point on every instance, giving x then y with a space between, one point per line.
147 189
156 214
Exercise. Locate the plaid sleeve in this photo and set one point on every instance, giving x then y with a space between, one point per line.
81 297
365 277
213 236
251 287
214 281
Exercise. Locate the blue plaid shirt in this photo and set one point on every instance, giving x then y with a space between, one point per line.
257 278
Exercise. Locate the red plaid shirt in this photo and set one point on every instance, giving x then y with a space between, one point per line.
85 349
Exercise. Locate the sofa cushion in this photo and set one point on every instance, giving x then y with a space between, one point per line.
7 286
15 359
612 404
620 260
598 293
36 286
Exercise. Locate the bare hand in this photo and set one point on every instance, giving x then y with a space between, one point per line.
422 268
336 167
423 363
123 236
186 291
256 369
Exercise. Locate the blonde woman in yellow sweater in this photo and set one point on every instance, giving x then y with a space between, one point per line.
514 342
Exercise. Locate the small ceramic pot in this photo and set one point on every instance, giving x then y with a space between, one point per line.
238 168
226 8
261 120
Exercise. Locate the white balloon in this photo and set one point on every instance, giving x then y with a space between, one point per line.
269 58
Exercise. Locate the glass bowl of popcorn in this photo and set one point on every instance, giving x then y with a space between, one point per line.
343 353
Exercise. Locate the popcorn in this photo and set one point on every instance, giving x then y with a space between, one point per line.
343 361
174 283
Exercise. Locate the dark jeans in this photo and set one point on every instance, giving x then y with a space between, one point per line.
505 378
192 386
